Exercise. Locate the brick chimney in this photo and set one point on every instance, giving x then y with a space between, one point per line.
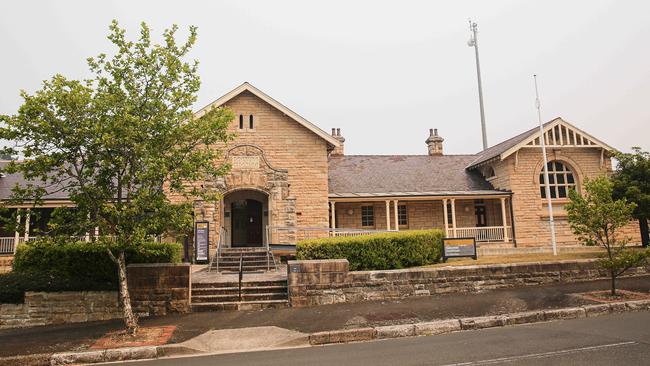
434 142
336 133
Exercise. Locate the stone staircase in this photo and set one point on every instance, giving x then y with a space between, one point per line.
253 260
255 295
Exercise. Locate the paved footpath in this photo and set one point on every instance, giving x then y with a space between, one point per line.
618 339
74 337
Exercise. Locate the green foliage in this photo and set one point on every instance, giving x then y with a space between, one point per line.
88 259
377 251
632 180
596 219
13 285
122 142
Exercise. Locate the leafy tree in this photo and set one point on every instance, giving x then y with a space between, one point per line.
596 218
632 182
122 144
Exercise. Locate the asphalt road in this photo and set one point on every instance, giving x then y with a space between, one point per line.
619 339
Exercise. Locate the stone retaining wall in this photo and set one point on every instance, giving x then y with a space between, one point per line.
43 308
320 282
160 288
6 261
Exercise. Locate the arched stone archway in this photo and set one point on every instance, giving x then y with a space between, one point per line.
245 218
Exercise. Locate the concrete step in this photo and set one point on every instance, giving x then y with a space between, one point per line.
251 268
240 305
235 290
216 285
256 261
235 297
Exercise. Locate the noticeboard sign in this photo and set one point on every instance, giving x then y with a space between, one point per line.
201 241
458 248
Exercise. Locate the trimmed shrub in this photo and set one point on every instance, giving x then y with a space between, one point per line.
13 285
60 265
377 251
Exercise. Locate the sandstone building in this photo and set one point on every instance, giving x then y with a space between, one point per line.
291 180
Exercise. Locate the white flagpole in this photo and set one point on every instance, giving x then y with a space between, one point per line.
546 182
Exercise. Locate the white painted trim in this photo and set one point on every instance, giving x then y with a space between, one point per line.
279 106
551 127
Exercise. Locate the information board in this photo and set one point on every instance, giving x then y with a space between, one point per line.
201 241
458 248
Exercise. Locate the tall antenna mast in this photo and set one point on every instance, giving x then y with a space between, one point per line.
473 42
547 187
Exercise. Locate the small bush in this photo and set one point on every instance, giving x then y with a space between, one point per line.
377 251
13 285
59 265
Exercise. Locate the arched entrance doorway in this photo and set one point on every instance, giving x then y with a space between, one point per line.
245 216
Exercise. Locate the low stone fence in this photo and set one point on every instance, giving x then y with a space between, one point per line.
6 261
320 282
156 289
160 288
42 308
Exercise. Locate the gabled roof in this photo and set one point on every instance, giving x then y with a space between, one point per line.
568 135
404 175
279 106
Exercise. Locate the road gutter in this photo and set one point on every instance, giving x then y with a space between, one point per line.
343 335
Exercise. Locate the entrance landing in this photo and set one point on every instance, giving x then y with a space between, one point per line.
203 276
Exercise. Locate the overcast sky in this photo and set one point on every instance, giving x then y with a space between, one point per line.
383 72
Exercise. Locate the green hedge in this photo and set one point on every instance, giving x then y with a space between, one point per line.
60 265
377 251
13 285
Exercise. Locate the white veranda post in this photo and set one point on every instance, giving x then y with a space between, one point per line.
504 219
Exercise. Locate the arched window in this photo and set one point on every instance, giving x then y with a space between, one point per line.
241 121
250 122
560 179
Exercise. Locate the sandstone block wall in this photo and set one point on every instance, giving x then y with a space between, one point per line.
44 308
6 261
520 174
300 197
160 288
324 282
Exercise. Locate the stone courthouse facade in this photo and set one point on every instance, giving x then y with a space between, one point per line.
290 180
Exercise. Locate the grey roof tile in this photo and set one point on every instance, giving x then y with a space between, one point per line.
393 175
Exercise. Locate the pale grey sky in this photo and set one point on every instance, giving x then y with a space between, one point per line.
383 72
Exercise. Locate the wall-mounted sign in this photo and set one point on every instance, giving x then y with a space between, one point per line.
458 248
245 162
201 241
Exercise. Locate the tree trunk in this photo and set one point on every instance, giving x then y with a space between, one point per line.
645 235
130 319
613 283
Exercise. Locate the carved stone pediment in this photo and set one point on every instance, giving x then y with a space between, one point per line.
250 169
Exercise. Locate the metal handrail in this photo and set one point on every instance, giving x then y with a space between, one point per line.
241 273
222 234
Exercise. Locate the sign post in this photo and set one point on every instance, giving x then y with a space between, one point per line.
458 248
201 242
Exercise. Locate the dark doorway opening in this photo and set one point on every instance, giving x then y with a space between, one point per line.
246 221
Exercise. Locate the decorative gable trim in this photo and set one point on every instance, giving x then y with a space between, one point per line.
559 134
279 106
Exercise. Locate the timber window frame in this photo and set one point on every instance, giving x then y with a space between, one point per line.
367 216
402 215
561 179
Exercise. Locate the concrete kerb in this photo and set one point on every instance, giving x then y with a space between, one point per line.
347 335
481 322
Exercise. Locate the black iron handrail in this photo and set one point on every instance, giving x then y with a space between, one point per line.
241 273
